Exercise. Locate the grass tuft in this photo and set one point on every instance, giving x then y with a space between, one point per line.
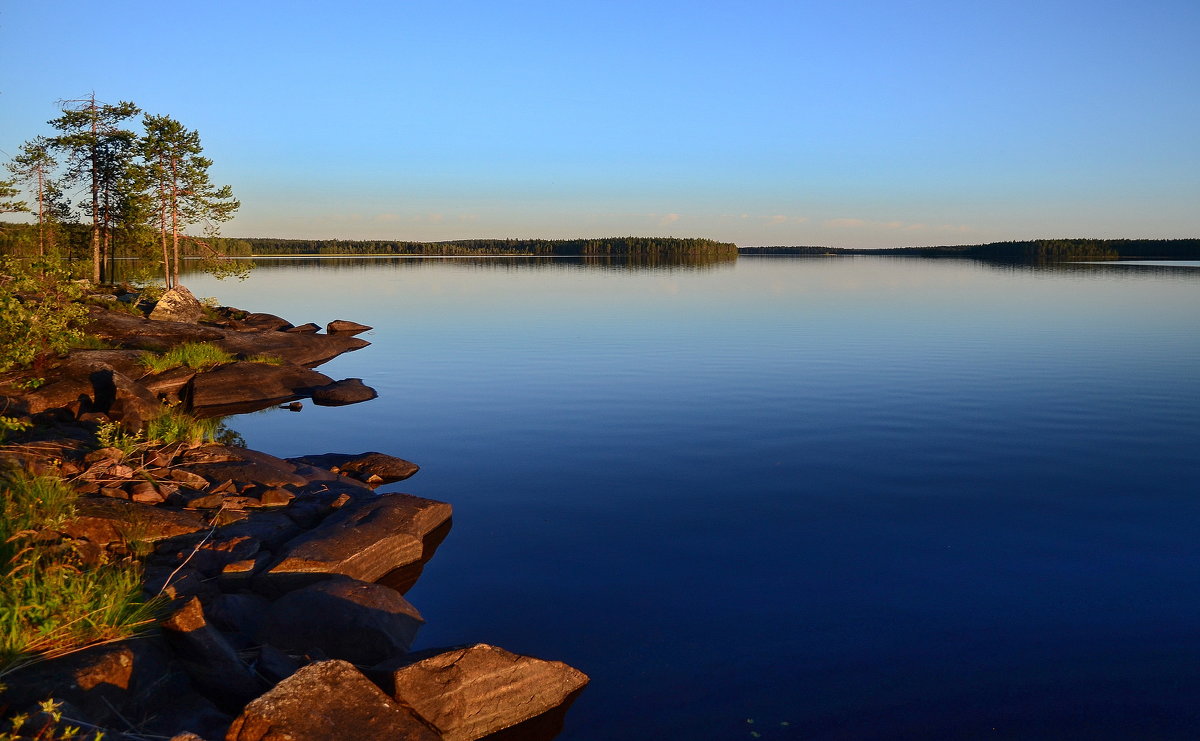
173 426
197 355
52 602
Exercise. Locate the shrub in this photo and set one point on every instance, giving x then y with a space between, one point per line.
51 601
40 315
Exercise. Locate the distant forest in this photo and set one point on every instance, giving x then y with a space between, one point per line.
610 246
1038 250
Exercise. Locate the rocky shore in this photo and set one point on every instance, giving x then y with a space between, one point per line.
282 580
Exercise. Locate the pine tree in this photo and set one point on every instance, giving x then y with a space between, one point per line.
175 178
98 151
8 202
35 167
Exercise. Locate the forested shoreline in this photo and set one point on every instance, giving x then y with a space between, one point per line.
1040 250
74 242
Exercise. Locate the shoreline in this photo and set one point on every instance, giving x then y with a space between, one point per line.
280 582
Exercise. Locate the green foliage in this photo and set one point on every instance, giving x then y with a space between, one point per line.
264 359
113 435
52 601
12 424
40 315
174 426
48 725
8 202
608 246
197 355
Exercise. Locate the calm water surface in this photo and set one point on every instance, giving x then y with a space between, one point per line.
839 498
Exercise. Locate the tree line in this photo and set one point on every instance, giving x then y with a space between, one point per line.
608 246
1036 250
144 193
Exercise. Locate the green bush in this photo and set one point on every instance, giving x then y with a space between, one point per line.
40 316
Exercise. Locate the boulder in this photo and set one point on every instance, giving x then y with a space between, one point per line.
373 468
209 659
343 618
265 322
253 385
328 700
345 326
106 682
340 393
178 305
171 385
470 693
365 539
122 398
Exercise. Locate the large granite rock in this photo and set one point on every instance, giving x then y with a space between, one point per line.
473 692
365 539
325 701
178 305
253 384
343 618
209 659
106 682
340 393
375 469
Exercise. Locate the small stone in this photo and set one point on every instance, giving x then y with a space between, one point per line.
308 328
276 497
345 326
145 493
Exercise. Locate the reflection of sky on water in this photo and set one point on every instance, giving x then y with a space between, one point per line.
873 497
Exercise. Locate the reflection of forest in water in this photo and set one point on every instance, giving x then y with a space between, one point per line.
132 270
126 270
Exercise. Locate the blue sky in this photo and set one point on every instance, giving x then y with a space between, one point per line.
864 124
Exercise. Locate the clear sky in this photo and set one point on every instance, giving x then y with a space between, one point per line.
851 123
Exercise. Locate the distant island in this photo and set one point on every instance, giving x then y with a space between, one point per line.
1038 250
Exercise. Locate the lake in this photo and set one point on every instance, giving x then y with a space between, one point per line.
791 498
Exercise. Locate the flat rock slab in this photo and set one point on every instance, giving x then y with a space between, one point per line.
365 539
292 347
105 520
253 383
328 701
372 467
343 618
246 472
136 332
473 692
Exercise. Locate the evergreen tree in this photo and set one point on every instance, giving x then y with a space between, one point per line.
174 176
98 152
8 202
35 167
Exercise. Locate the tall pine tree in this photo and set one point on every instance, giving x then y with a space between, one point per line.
175 177
98 150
